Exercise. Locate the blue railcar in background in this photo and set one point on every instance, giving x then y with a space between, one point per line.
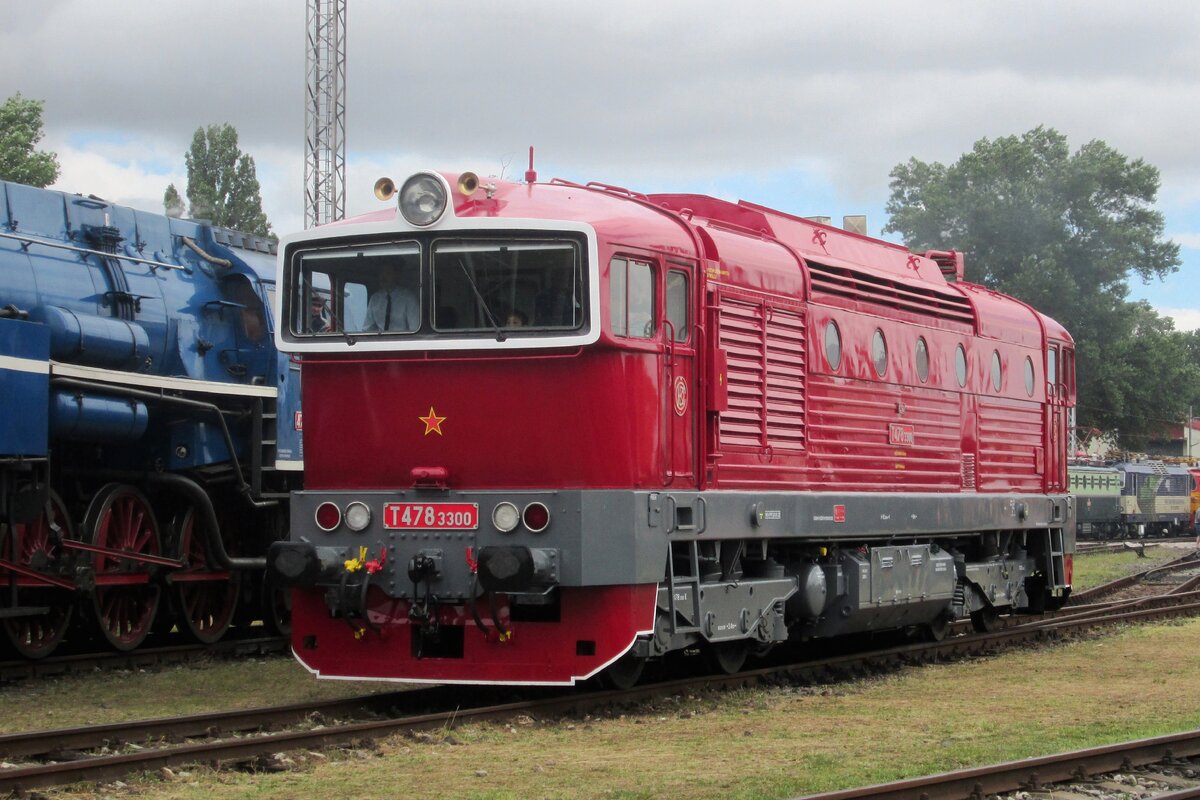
149 428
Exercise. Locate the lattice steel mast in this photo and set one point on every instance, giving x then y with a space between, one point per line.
325 113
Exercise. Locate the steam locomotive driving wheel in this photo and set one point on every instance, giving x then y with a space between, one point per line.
207 598
126 598
34 545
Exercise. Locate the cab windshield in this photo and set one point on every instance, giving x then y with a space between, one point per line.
461 287
481 286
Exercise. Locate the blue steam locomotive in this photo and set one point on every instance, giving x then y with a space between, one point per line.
149 429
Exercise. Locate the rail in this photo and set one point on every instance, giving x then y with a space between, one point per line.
1034 774
463 708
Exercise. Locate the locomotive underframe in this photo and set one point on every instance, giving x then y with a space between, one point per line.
731 569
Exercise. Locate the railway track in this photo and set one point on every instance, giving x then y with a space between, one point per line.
141 658
1079 767
1189 561
98 753
1096 546
171 654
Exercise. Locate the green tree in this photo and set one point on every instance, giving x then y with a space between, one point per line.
20 131
1151 377
1064 232
222 183
172 202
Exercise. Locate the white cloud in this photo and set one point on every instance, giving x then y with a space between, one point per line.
1191 240
697 95
1186 319
122 174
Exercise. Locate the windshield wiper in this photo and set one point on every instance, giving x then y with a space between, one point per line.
500 337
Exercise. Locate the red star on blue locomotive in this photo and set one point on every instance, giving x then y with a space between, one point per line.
433 423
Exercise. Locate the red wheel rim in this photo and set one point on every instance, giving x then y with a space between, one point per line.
207 606
37 636
123 520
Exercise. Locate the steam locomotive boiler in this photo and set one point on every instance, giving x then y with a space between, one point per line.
556 430
149 428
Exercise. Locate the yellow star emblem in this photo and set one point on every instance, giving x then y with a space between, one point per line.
433 423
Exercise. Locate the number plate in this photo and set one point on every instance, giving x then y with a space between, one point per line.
431 516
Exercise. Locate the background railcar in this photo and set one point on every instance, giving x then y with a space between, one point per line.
1097 493
1195 499
622 426
1155 498
1134 499
140 389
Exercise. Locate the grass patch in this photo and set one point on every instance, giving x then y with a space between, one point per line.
114 696
1094 569
748 744
776 743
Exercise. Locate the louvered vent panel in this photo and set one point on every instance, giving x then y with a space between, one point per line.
914 298
742 340
785 379
765 351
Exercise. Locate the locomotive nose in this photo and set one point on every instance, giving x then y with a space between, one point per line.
516 568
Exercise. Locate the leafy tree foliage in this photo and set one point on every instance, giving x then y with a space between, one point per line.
222 182
1152 375
1064 232
20 131
172 202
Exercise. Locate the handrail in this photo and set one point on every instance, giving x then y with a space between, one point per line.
89 251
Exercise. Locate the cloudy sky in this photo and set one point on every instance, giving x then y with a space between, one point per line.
802 106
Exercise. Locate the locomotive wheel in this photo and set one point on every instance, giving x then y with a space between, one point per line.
276 607
120 518
936 631
984 620
624 673
729 657
30 545
206 607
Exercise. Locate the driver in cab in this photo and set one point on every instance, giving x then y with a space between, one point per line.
393 306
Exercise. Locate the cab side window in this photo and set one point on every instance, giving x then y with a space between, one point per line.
253 317
631 298
677 304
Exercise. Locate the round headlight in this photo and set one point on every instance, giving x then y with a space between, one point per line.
328 516
358 516
536 517
423 198
505 517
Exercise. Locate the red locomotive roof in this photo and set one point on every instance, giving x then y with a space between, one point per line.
811 239
745 235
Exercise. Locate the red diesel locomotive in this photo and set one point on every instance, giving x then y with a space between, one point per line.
555 429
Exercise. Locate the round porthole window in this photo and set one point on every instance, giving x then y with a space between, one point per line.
1029 376
996 370
922 359
833 345
960 365
879 353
